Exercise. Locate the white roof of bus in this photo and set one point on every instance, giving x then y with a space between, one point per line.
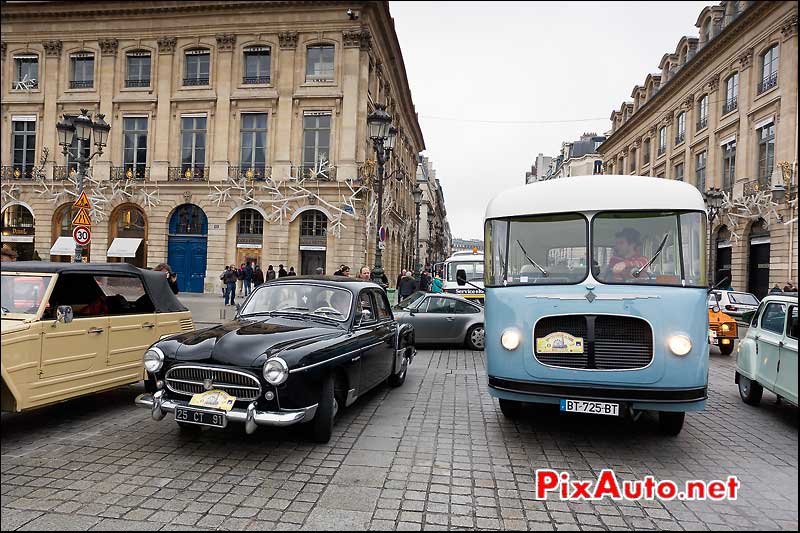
595 193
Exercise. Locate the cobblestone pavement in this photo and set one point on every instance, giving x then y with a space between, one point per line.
434 454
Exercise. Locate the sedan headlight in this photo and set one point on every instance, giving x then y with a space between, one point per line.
276 371
680 344
510 339
725 327
153 359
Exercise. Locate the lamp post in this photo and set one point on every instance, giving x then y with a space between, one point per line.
417 194
430 236
80 129
713 198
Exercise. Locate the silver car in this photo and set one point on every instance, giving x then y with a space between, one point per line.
442 318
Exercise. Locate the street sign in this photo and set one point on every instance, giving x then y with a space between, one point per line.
82 202
382 233
82 218
381 245
82 235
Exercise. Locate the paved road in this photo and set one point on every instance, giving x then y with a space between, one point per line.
433 454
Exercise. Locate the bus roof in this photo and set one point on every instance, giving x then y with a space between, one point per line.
595 193
459 256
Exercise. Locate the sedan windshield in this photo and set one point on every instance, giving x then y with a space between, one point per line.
294 298
22 294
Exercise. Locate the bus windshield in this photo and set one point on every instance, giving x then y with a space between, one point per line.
474 270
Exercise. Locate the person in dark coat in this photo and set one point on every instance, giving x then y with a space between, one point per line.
291 272
172 277
406 286
425 281
271 274
282 272
247 277
230 278
258 276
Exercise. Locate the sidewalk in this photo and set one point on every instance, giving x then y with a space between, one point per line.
208 309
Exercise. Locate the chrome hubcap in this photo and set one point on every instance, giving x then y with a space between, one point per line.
477 337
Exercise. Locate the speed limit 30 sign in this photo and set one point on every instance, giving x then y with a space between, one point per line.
82 235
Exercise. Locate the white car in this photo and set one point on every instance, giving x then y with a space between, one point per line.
733 303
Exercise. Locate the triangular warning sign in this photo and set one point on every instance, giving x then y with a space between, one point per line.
82 218
82 202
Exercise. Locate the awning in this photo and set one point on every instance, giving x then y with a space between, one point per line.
123 247
63 246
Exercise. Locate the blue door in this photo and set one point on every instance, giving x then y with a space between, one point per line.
188 239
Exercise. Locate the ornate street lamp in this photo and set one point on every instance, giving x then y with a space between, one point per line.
417 195
82 128
713 199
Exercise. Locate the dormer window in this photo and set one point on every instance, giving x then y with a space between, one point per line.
81 70
198 63
26 72
257 60
319 63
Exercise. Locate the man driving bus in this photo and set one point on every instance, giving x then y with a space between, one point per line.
627 256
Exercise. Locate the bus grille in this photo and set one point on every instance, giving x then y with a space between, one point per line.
610 342
188 380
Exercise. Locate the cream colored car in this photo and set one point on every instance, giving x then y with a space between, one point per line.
72 329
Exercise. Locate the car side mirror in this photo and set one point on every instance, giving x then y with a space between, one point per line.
461 276
366 316
748 316
715 309
64 314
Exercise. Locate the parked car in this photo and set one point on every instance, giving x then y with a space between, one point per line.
734 303
72 329
767 356
442 318
722 328
299 348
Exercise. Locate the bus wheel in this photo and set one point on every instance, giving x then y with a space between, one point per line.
726 349
510 408
671 423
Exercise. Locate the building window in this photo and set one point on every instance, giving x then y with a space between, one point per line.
313 224
700 171
766 153
138 69
316 140
680 136
193 144
632 165
679 172
256 65
731 93
646 149
319 63
728 165
134 150
662 140
197 67
250 229
23 143
706 35
253 150
26 72
598 167
769 69
702 112
81 70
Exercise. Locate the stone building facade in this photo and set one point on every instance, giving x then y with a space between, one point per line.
238 132
434 228
722 113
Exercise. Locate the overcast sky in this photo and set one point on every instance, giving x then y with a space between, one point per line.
523 61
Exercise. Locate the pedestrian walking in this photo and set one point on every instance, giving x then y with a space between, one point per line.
247 279
258 276
425 281
291 272
789 287
400 276
239 279
231 278
222 280
775 289
282 272
271 273
406 286
437 285
172 277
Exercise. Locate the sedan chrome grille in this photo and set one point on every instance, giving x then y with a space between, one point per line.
190 379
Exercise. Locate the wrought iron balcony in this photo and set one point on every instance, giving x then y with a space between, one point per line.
187 173
17 172
313 173
60 173
137 83
252 80
679 138
130 172
82 84
702 123
195 81
768 83
257 173
729 105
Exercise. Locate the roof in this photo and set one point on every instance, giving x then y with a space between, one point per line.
595 193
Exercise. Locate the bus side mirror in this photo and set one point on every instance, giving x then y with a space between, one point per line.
64 314
461 276
748 316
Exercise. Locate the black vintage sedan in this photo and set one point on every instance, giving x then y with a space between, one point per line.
299 348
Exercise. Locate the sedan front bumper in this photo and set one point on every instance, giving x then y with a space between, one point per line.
251 417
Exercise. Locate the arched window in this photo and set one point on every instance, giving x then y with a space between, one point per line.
188 219
769 69
680 133
18 231
702 112
705 33
128 222
250 228
313 224
62 227
197 67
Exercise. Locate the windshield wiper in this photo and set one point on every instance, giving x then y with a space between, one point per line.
531 261
638 272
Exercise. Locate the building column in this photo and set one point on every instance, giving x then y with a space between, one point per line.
161 122
226 43
49 135
281 166
746 149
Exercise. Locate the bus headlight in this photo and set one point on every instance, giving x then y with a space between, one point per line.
510 339
276 371
680 344
153 359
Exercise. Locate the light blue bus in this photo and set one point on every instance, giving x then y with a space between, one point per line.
596 297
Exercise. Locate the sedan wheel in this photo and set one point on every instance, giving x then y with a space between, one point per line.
475 337
322 424
395 380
